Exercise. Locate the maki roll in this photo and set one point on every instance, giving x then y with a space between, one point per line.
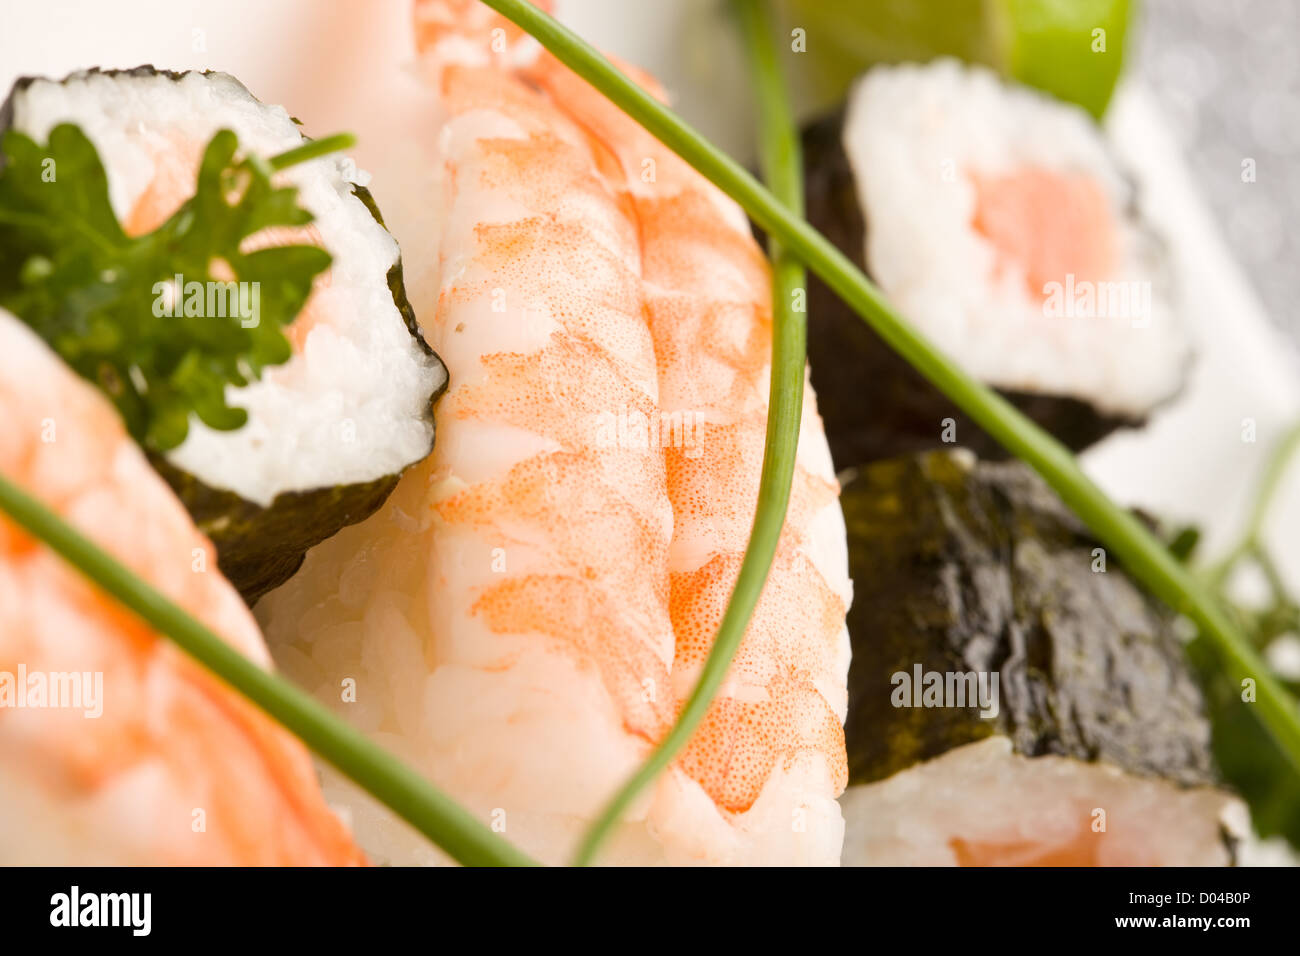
311 429
117 749
1012 698
996 220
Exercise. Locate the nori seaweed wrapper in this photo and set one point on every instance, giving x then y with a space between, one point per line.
967 566
259 548
873 403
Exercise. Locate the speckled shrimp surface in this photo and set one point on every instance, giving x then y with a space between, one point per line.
606 320
151 760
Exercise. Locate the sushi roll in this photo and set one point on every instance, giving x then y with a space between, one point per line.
115 748
526 615
1013 699
328 431
997 221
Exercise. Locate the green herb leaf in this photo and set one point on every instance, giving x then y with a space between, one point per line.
1073 50
1243 754
165 321
1183 542
1240 750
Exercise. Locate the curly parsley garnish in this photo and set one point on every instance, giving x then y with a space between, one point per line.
110 304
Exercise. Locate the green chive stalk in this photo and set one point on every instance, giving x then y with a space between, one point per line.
1250 541
312 149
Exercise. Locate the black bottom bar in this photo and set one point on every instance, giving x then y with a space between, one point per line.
334 907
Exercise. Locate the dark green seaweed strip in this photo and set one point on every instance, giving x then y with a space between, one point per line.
259 548
963 566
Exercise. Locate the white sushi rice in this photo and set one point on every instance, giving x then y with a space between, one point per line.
915 135
353 404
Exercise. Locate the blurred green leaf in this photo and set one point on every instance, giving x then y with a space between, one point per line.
1073 49
1246 757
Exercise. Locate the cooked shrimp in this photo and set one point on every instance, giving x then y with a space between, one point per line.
147 759
528 614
